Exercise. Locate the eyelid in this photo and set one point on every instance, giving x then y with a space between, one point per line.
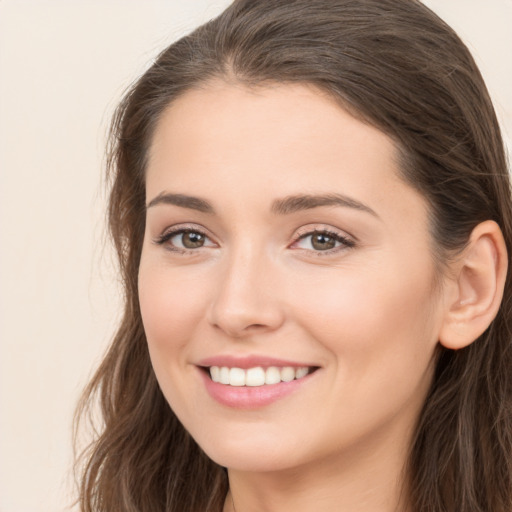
323 228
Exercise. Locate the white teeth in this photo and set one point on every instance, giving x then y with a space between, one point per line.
215 373
236 377
224 375
256 376
301 372
272 375
287 374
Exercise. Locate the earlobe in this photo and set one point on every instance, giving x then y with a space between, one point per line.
474 296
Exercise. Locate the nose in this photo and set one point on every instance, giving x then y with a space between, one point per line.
247 299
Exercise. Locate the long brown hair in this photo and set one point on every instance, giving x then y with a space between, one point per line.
395 65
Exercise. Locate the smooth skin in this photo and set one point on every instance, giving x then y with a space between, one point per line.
351 288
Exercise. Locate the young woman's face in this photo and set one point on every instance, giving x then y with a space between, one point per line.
281 244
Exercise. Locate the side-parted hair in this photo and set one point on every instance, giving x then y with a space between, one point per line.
395 65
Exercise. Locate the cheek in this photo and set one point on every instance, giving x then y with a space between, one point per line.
381 338
172 305
372 320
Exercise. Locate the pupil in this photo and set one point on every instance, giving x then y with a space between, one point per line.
323 242
192 240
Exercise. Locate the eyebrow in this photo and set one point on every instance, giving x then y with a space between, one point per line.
285 206
191 202
297 203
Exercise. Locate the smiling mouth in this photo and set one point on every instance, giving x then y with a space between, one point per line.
257 376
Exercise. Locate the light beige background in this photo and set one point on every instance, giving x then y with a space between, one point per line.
63 67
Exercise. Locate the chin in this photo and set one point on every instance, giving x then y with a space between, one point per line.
249 454
252 461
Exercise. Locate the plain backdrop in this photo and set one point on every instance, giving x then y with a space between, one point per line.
63 67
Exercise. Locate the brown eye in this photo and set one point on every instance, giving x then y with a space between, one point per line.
184 239
192 239
322 242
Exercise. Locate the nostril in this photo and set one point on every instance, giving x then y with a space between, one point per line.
255 326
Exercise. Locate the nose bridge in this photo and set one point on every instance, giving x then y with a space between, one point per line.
245 298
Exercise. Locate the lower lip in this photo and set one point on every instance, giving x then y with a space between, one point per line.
249 397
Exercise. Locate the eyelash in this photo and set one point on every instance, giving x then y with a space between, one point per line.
167 235
346 243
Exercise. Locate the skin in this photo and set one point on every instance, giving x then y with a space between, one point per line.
367 315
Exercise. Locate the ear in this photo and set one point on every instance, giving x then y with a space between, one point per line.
474 296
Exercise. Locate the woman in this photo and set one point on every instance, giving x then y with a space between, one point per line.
311 208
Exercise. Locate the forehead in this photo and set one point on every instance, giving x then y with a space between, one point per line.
272 140
239 111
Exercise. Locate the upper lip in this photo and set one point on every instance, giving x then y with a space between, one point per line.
251 361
